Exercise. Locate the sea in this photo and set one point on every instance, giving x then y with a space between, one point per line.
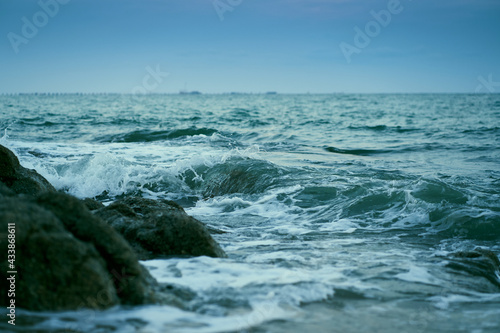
340 212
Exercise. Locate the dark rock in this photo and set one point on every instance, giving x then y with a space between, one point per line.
9 163
55 270
159 228
66 258
5 191
20 179
120 260
92 204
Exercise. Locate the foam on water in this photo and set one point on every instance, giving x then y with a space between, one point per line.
152 319
444 302
91 170
417 274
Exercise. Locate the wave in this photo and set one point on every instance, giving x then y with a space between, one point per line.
41 124
479 264
482 130
400 149
187 173
420 207
37 121
151 136
434 191
235 175
358 152
465 223
384 128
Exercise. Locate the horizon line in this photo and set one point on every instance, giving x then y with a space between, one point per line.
270 93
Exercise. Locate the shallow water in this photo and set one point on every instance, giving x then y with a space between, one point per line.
341 211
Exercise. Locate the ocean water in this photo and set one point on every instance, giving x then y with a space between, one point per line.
341 211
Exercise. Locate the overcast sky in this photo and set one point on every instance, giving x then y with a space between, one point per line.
289 46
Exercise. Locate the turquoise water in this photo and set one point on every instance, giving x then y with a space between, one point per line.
341 211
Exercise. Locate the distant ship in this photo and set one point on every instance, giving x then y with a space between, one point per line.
184 92
187 92
271 93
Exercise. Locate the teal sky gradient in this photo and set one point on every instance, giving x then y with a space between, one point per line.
289 46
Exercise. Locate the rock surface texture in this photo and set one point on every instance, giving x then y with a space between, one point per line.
159 228
66 258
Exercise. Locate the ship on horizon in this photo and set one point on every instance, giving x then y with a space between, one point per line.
185 92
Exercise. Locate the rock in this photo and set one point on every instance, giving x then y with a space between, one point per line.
55 270
66 258
120 260
159 228
92 204
8 163
20 179
5 191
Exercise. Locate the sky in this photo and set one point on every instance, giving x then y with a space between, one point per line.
254 46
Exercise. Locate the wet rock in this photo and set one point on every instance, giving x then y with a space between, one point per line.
66 258
55 270
159 228
8 163
120 260
20 179
92 204
5 191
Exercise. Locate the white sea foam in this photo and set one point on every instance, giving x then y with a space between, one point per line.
444 301
88 170
273 256
265 206
417 274
207 276
346 226
221 272
164 319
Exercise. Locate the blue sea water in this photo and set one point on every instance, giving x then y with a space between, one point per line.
342 212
